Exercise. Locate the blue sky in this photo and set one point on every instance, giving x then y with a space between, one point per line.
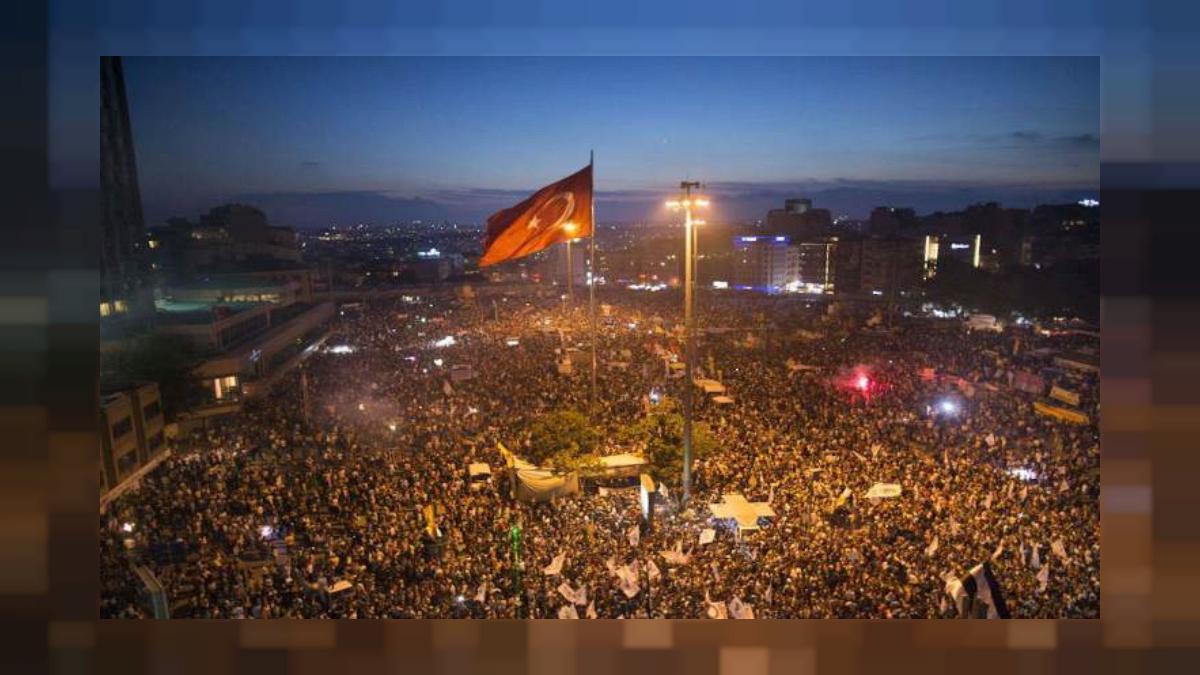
342 139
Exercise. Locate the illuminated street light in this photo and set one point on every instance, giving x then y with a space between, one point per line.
570 228
949 407
686 202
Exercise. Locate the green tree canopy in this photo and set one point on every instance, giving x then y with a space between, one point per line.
659 436
563 439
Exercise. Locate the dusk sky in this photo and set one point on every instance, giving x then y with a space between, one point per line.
320 141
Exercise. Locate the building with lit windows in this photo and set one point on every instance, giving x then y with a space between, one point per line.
765 263
253 329
132 433
815 266
124 288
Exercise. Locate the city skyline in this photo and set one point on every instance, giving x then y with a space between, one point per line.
319 141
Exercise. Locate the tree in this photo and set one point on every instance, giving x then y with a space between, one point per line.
563 440
163 358
659 435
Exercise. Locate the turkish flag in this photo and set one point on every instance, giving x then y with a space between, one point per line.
544 219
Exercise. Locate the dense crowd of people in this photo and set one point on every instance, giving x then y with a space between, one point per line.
314 500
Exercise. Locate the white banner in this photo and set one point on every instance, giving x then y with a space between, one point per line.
884 490
555 565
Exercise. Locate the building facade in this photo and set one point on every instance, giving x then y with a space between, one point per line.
124 287
765 263
799 221
132 433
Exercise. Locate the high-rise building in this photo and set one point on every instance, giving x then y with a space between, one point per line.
815 268
124 288
799 221
765 263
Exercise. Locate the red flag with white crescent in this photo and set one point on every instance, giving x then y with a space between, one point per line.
556 213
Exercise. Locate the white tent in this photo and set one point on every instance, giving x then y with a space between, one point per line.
723 400
542 485
479 469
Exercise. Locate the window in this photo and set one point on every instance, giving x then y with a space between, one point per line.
120 306
126 464
105 309
151 411
121 428
224 386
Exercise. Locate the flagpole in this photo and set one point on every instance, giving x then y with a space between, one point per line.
592 274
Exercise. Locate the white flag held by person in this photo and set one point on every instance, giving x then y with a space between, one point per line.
714 610
481 596
629 581
1060 550
707 535
1043 577
567 612
634 536
555 565
652 571
932 547
739 609
447 389
676 556
576 596
1035 560
591 610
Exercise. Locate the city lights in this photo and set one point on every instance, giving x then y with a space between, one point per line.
823 432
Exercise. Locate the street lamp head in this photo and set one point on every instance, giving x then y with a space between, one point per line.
703 201
674 205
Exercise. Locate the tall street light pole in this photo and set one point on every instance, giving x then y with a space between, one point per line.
687 202
570 229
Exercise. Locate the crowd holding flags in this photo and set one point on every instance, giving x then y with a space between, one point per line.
560 212
978 594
